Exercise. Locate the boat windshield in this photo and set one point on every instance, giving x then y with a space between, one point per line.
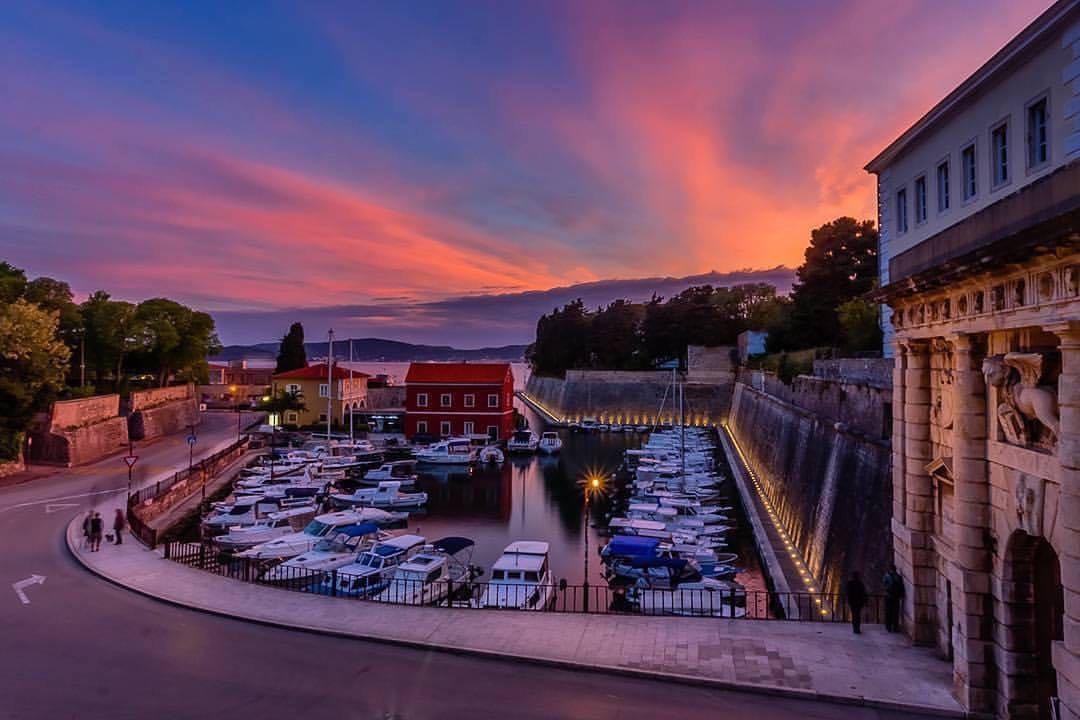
522 436
316 528
370 560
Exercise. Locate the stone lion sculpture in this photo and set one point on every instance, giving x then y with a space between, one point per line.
1017 375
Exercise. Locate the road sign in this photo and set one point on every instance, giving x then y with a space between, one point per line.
131 460
191 439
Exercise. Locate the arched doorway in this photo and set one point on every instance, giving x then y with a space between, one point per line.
1034 615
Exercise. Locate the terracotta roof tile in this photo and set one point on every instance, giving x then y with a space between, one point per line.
318 372
457 372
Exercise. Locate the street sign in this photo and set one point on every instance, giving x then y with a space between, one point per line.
191 439
131 460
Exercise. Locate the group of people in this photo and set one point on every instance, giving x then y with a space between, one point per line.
94 528
893 583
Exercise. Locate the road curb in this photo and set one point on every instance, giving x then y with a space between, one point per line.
71 540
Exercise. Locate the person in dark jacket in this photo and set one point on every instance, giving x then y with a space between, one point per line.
86 528
97 527
856 600
119 523
893 582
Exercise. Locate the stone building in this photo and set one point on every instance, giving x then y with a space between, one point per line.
979 207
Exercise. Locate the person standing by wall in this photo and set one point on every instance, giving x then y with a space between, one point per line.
893 582
856 600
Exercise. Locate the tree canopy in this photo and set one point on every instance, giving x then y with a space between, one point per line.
291 353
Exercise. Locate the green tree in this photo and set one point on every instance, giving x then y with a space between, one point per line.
12 283
33 363
174 339
859 321
112 333
55 296
283 401
291 353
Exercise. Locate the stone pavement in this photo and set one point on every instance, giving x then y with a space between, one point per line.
821 661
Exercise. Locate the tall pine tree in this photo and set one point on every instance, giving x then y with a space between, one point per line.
291 354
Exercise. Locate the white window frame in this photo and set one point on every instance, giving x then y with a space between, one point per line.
944 192
1001 157
445 428
493 400
421 427
969 178
468 427
920 203
470 400
292 389
1029 141
901 211
421 399
324 390
446 400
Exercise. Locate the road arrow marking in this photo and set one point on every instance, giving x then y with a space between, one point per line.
32 580
50 508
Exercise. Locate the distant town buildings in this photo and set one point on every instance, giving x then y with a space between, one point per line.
979 207
751 342
235 383
445 399
345 394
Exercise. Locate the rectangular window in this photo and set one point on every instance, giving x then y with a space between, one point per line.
421 399
920 199
324 390
444 400
493 432
901 211
943 186
1038 133
999 146
470 400
469 428
967 163
444 427
322 417
292 389
421 427
291 417
493 400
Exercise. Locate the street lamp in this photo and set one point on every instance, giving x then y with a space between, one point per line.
191 440
592 486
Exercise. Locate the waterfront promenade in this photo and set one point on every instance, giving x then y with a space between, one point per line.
813 661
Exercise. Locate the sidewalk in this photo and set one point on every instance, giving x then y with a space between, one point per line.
814 661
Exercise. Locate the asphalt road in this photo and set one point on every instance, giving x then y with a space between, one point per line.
84 648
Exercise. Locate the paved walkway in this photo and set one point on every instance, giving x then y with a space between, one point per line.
807 660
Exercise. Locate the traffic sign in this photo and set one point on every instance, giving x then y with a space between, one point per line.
131 460
191 439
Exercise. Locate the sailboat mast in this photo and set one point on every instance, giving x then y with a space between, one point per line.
329 387
351 391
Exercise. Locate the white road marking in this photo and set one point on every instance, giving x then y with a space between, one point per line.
20 585
50 508
65 497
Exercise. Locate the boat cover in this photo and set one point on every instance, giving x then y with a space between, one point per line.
453 545
651 562
358 529
633 546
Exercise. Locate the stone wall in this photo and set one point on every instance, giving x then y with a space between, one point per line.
831 486
382 398
869 371
629 397
11 467
162 411
80 431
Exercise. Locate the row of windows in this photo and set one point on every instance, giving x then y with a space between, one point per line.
446 400
446 429
1038 155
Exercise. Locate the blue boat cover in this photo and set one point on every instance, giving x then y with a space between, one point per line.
453 545
632 546
358 529
648 562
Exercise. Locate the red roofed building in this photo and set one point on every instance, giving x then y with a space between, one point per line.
311 382
455 399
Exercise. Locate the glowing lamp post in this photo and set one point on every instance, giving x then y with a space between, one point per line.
593 486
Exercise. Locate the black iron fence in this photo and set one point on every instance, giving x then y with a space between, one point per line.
561 597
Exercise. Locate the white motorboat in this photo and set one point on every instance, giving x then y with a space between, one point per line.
293 544
588 424
492 455
374 567
454 451
603 427
428 576
642 428
387 494
523 441
615 427
707 597
404 471
520 578
244 510
275 525
550 443
331 552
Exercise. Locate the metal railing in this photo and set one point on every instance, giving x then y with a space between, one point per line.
561 597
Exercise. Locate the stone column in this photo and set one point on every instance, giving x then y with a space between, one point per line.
973 666
898 465
1067 654
913 538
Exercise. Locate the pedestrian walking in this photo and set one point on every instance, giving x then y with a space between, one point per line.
119 523
86 528
856 600
893 582
96 528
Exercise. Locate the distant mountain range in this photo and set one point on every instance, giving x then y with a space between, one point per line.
375 350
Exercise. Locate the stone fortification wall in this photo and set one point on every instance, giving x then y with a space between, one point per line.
832 487
162 411
872 371
11 467
629 397
386 397
80 431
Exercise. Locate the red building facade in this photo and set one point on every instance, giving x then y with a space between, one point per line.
456 399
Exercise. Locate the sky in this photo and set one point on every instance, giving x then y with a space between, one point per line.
398 169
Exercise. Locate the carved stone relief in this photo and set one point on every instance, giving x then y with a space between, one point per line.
1028 495
1027 412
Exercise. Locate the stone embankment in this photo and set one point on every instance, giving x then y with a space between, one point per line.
162 411
77 432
